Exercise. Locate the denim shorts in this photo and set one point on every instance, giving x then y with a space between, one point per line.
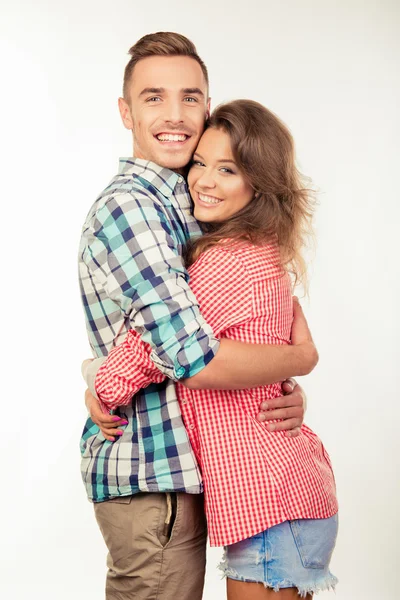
291 554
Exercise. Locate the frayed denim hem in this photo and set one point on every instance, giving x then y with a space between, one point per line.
326 583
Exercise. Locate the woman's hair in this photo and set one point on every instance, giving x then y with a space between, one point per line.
282 207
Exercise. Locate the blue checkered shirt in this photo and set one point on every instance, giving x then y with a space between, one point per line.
132 276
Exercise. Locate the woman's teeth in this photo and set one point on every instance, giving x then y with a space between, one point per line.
209 199
169 137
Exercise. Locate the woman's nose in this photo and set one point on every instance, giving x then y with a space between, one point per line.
206 180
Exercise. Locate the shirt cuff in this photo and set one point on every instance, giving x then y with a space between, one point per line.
194 359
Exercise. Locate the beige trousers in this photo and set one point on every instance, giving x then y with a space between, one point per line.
156 546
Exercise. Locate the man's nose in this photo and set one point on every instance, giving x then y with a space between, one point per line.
173 113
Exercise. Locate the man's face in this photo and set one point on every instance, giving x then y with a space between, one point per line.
166 110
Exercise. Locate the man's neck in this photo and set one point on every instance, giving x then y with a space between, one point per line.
181 171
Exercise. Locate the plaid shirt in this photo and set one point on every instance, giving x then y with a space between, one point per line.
253 479
132 277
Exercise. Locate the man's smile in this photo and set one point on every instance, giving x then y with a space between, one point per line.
172 137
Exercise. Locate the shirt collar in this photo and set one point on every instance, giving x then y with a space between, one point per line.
163 179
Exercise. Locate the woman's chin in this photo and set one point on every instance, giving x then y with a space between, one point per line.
203 215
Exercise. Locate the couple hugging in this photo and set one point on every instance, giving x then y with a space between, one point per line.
187 263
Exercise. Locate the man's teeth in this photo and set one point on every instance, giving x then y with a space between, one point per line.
169 137
209 199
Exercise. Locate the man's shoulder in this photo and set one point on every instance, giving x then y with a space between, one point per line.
125 192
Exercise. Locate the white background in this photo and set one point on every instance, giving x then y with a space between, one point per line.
330 70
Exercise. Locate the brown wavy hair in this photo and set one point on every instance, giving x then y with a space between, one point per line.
282 207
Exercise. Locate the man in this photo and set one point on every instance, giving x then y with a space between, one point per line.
132 276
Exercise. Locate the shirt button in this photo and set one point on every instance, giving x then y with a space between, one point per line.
191 426
184 401
180 179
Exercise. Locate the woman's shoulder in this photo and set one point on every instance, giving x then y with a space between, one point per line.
255 260
223 255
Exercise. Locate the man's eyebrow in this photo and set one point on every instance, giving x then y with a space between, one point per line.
151 90
193 91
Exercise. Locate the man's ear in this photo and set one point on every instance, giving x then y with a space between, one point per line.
125 113
208 112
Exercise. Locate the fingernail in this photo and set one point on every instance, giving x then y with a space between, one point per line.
264 405
124 422
116 418
271 427
119 432
111 439
261 417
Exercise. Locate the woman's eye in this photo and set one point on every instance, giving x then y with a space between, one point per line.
226 170
197 163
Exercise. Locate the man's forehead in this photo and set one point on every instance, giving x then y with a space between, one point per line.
169 73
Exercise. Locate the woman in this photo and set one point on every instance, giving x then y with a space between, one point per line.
269 499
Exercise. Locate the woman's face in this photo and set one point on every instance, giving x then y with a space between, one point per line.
217 187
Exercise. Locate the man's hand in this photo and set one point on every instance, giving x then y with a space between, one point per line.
108 423
290 408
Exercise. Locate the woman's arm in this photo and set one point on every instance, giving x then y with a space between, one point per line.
236 365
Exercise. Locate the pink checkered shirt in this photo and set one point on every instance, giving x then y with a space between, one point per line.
253 478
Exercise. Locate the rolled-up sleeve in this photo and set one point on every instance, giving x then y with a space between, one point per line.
137 259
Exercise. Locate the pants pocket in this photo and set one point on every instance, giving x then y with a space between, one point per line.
315 540
168 512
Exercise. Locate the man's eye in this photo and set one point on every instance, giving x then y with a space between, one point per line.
191 99
153 99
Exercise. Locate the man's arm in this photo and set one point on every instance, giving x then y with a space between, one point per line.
227 300
140 266
133 259
290 408
129 368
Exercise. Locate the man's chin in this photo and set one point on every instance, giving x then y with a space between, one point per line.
173 160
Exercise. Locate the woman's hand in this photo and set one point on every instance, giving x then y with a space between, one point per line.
108 424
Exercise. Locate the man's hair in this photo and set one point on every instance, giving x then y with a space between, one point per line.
163 43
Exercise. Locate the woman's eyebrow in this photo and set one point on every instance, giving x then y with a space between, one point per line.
219 160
